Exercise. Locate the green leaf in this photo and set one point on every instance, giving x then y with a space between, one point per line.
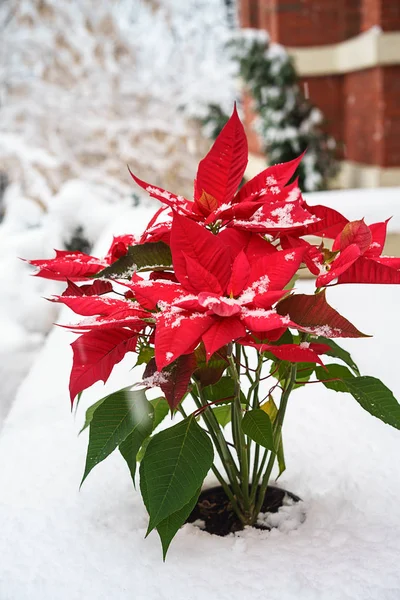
91 410
146 353
334 371
118 416
304 372
281 458
135 445
142 450
168 528
173 468
257 425
161 409
152 256
223 390
375 398
338 352
223 414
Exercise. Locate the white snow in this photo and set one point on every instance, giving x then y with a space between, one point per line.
59 543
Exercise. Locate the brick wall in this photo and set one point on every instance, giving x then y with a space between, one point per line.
361 108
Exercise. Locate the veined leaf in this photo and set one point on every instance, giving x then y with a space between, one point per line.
161 409
168 528
334 371
339 352
91 410
134 447
223 390
173 468
223 414
151 256
257 425
375 398
118 416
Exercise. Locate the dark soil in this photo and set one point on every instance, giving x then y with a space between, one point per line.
213 507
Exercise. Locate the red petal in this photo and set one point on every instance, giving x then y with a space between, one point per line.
343 262
177 333
240 274
88 306
178 376
97 288
279 268
275 175
95 354
378 231
221 171
290 352
149 292
75 266
200 279
373 270
190 239
171 200
263 320
312 313
222 332
330 223
355 232
268 299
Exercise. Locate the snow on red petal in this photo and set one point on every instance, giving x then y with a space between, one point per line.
275 175
329 225
313 314
222 332
378 231
240 274
177 333
149 292
88 306
177 378
257 320
343 262
222 170
76 266
168 198
278 267
95 354
208 250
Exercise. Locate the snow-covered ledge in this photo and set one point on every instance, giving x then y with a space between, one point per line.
364 51
58 543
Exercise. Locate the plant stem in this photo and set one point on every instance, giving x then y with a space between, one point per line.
277 437
239 437
219 440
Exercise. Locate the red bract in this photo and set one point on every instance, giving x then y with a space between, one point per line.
359 259
266 204
78 266
219 298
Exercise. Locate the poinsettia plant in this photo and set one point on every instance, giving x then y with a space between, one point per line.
205 299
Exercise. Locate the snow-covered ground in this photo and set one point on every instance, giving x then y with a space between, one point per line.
58 543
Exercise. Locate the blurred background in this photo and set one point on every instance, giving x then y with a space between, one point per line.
89 86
